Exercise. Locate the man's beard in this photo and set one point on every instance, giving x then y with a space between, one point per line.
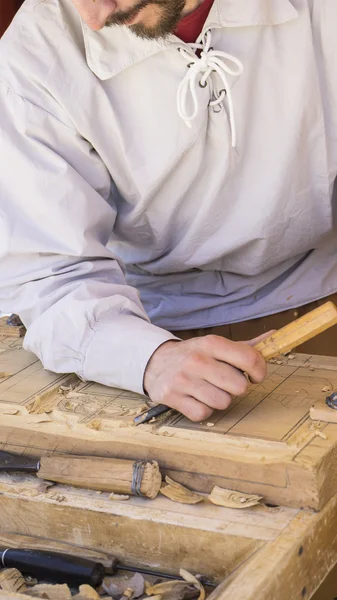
171 13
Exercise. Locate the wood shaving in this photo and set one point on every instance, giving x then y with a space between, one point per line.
41 404
114 496
179 493
95 424
86 592
321 435
57 497
231 499
291 356
194 581
11 580
210 424
166 433
176 589
170 590
9 411
326 388
50 592
5 375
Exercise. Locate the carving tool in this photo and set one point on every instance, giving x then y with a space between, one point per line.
285 339
75 570
139 478
53 566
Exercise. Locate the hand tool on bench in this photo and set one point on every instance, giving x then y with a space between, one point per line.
280 342
139 478
66 568
53 566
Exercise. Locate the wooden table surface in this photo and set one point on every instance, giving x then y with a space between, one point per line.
267 445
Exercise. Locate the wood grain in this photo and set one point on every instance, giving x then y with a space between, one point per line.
160 534
265 443
103 474
292 566
299 331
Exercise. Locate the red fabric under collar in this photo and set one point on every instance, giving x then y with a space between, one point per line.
191 26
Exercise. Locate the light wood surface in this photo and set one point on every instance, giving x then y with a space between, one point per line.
104 474
261 553
321 412
265 443
296 333
292 566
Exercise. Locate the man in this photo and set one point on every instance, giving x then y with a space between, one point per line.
166 165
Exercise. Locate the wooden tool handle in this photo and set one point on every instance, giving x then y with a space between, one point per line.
299 331
103 474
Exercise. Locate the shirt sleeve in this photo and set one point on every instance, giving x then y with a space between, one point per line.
56 216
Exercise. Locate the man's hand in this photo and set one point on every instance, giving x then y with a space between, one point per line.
201 374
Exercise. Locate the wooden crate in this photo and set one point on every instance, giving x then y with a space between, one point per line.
265 443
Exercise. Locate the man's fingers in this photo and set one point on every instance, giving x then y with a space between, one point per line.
190 407
223 378
238 354
210 395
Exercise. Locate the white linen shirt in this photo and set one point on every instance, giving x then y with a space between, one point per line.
122 217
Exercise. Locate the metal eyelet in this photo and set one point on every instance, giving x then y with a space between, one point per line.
203 86
223 91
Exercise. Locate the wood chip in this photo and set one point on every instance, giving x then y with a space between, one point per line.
114 496
291 356
11 580
170 590
210 424
179 493
50 592
231 499
57 497
9 411
86 592
194 581
326 388
95 424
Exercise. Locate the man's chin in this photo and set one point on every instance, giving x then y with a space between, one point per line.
149 33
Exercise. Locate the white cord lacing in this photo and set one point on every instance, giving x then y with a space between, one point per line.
210 61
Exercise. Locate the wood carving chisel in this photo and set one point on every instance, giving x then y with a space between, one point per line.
139 478
75 570
285 339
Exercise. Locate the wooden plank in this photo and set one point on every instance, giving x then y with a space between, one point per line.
265 443
15 331
291 566
159 533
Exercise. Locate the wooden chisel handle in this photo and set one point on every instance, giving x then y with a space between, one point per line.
140 478
299 331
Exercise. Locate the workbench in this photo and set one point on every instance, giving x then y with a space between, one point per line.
265 443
